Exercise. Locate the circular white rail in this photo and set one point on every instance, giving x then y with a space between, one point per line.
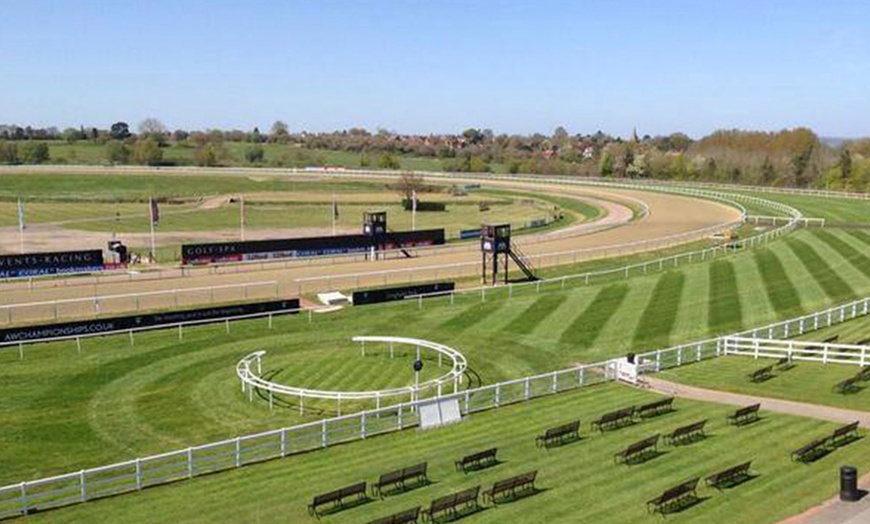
250 368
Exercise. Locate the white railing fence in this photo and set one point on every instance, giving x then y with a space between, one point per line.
824 352
133 475
696 351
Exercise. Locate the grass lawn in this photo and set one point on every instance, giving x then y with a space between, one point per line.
809 382
577 482
115 401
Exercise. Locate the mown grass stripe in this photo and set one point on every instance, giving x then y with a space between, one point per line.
780 291
835 287
471 316
586 326
725 313
858 260
537 312
657 320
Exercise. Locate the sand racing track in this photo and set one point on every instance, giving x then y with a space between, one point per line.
635 220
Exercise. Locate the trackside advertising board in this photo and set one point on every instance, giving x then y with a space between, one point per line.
376 296
304 247
35 264
106 325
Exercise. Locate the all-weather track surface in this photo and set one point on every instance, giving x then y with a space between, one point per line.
667 216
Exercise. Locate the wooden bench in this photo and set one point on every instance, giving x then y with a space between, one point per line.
511 486
687 433
402 517
850 385
784 364
863 375
863 342
558 434
810 451
844 433
744 415
674 497
729 477
656 408
831 340
477 460
448 504
399 477
760 375
638 450
614 419
337 497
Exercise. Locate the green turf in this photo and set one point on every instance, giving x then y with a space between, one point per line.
103 405
834 210
780 291
587 326
808 382
860 261
835 287
577 483
660 315
724 305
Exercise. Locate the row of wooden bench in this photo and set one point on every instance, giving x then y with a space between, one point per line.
466 500
766 373
822 446
629 415
687 491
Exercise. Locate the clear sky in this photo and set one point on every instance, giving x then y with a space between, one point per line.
440 65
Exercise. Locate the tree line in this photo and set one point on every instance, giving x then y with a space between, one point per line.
790 158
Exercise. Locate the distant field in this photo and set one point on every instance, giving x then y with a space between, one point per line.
274 154
834 210
577 483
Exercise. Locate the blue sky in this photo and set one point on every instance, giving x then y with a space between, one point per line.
440 66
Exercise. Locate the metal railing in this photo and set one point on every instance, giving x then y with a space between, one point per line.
72 307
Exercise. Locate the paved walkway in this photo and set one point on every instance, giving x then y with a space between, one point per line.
830 512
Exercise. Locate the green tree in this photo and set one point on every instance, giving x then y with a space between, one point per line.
845 164
120 130
147 152
35 153
210 154
117 152
768 172
255 154
388 162
606 166
9 153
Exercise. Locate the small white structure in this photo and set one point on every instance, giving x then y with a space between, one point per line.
439 412
623 370
333 298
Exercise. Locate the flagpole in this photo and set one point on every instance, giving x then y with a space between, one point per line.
242 217
153 242
333 214
414 210
21 226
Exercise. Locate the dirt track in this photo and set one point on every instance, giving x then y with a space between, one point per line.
669 215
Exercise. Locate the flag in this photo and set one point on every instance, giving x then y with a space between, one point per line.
21 225
155 214
414 200
334 210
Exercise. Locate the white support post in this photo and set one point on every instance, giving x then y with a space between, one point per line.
526 389
283 442
555 382
324 440
138 474
190 463
238 451
82 485
362 429
497 394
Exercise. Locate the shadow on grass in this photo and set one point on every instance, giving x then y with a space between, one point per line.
460 514
736 481
562 442
401 489
524 494
644 457
687 503
482 466
362 501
